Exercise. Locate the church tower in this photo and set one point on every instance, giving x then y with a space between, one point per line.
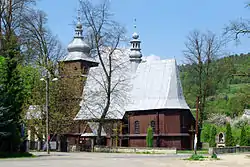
75 67
135 52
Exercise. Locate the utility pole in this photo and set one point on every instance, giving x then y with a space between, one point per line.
196 125
47 108
47 111
47 104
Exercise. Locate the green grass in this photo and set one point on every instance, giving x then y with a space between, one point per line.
196 157
191 152
148 152
199 157
16 155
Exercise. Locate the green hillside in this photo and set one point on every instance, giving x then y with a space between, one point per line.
228 94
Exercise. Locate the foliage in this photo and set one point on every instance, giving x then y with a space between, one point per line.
217 119
196 157
213 133
243 137
214 156
240 122
229 137
229 94
15 155
205 135
11 95
150 137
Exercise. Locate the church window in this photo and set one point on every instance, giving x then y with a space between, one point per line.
137 127
152 124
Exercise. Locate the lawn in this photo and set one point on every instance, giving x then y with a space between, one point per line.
15 155
192 151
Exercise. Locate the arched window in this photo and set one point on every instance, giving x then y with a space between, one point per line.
152 124
137 127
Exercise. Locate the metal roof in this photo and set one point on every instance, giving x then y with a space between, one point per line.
94 127
155 85
78 49
94 95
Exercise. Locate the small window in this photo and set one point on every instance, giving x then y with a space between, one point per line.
137 127
152 124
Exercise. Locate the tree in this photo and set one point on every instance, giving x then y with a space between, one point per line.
229 137
43 51
40 46
150 137
105 36
238 27
213 133
201 50
11 15
205 135
243 137
12 92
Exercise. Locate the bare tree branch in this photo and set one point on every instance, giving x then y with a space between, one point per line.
106 36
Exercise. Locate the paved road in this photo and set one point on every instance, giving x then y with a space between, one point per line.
118 160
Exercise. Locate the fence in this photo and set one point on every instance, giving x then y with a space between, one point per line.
225 150
135 150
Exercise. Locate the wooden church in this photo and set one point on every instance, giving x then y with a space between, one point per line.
145 93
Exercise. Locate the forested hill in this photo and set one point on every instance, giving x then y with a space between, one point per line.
228 94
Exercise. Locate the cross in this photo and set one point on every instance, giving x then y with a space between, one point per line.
135 23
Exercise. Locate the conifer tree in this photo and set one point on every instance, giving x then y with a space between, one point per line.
243 137
149 138
11 96
213 133
229 137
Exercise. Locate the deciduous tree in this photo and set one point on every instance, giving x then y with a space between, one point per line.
201 50
105 35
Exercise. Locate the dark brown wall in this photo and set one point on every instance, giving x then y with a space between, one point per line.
172 122
174 142
137 142
144 122
169 121
172 125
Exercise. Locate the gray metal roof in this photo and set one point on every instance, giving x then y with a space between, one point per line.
94 95
155 85
94 127
78 49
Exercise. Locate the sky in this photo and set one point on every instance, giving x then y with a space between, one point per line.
163 25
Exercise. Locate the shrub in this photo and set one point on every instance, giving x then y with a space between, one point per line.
196 157
229 136
150 137
214 156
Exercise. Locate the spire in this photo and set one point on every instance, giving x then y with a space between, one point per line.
78 29
135 54
78 49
